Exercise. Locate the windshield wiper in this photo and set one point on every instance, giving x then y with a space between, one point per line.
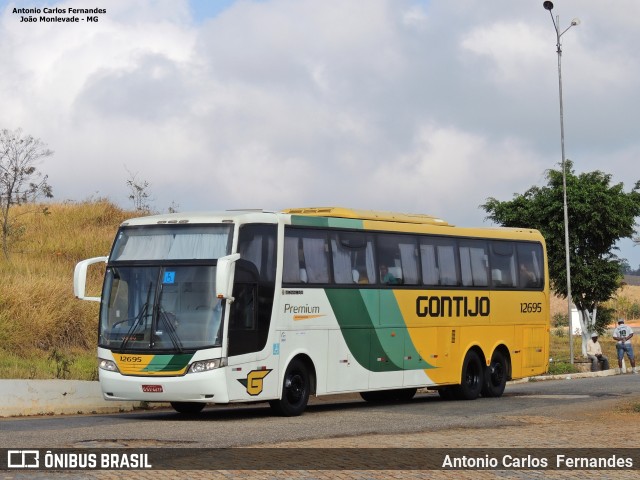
138 319
170 328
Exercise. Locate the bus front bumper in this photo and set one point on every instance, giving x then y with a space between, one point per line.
206 387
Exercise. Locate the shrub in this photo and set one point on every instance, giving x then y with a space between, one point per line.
560 320
561 368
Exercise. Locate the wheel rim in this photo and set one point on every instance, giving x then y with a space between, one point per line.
497 374
295 388
472 378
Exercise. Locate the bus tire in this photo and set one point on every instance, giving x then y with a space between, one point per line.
495 376
405 394
188 408
374 397
447 393
389 396
295 391
472 377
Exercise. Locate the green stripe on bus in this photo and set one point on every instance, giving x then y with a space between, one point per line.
394 336
309 221
168 363
306 221
359 331
378 344
346 223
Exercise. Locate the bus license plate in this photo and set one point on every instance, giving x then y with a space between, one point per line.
152 388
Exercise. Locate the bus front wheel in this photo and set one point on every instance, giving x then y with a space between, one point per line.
472 377
188 408
295 391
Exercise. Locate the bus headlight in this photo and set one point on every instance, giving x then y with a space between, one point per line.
108 365
206 365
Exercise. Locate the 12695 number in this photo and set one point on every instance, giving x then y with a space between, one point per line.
130 359
531 307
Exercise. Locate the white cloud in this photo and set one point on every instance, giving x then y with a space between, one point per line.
515 49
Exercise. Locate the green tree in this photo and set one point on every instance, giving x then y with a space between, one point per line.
599 214
20 180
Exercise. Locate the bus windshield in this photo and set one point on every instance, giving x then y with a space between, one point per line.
160 308
159 290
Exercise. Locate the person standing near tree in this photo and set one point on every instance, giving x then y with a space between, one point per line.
622 335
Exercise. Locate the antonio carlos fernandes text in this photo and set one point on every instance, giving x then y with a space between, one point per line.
531 461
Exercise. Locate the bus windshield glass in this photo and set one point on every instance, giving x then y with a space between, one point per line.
160 308
159 290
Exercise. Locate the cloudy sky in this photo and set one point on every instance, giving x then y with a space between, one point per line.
409 105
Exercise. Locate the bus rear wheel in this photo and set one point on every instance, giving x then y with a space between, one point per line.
495 376
472 377
188 408
447 393
295 391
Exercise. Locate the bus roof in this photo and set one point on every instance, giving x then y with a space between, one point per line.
227 216
340 212
407 222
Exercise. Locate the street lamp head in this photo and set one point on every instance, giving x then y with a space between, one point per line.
548 5
575 22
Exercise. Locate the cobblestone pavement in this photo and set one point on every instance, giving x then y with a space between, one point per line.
613 423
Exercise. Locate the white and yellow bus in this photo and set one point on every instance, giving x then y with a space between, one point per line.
246 306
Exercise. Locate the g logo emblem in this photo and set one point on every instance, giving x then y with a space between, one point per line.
254 382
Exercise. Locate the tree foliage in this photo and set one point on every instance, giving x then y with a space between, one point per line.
599 215
20 180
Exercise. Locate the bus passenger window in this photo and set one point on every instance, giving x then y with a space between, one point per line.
503 264
473 263
399 256
353 260
447 262
314 252
305 257
531 269
292 268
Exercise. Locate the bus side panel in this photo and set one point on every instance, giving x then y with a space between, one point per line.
533 354
250 379
305 323
527 313
311 343
387 352
344 373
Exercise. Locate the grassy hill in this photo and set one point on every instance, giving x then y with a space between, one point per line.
44 330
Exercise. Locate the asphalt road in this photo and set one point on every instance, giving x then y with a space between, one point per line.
325 418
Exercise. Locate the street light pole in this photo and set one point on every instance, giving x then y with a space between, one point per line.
549 6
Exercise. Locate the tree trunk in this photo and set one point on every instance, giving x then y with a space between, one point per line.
587 325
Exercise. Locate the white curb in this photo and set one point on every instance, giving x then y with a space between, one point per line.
52 397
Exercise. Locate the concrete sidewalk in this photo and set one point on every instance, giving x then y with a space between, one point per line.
56 397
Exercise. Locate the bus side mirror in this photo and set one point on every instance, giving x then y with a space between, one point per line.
80 278
224 276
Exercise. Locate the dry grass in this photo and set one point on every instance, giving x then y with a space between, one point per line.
38 312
